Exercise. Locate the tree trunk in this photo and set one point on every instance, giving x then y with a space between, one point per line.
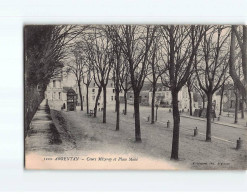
190 97
156 118
153 99
117 109
203 101
137 118
96 101
87 100
104 110
241 86
209 116
176 124
244 61
221 97
125 95
125 102
79 86
242 110
236 107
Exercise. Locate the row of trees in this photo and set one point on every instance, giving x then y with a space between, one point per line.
44 51
173 55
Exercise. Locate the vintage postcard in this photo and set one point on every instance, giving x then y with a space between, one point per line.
135 97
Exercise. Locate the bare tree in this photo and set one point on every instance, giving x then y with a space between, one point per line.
77 68
242 106
44 53
136 42
240 80
222 89
211 72
118 66
84 50
201 93
125 83
190 88
155 71
241 34
102 59
117 69
236 92
180 44
87 78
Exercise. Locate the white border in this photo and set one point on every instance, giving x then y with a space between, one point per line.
14 14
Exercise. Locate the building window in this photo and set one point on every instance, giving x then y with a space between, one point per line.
94 84
54 83
111 98
112 85
93 90
59 95
83 98
130 96
93 97
113 90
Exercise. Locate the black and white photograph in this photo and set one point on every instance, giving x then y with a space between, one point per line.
126 96
135 97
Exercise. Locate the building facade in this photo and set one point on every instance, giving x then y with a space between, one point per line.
92 94
163 97
54 93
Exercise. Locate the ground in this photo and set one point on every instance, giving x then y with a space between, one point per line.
83 136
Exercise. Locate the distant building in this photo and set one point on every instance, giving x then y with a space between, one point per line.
92 94
229 99
54 93
184 100
163 96
198 101
93 91
144 95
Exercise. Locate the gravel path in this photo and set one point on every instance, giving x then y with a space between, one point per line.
97 145
91 135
